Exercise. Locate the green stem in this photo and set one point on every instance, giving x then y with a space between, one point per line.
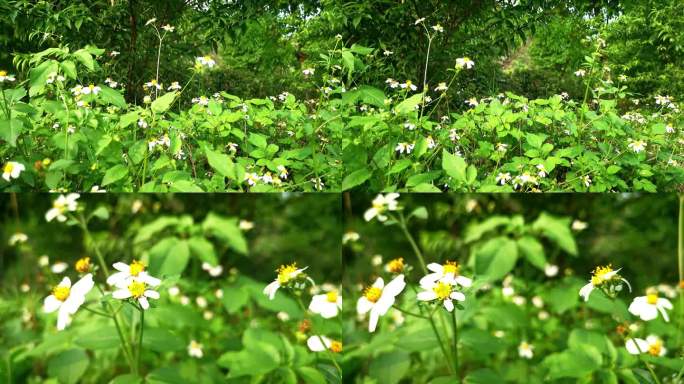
409 313
454 325
655 378
140 339
96 312
680 262
328 352
409 237
441 343
124 344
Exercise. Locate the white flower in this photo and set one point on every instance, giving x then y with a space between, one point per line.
376 260
174 86
441 87
318 183
392 83
321 343
174 291
503 178
580 73
218 293
601 276
472 102
419 21
542 170
637 145
184 300
652 345
647 307
136 270
59 267
62 205
286 273
404 147
443 290
586 180
380 205
464 62
252 178
17 238
379 298
663 100
202 100
136 288
205 61
430 142
501 147
6 77
579 225
387 52
550 270
97 189
142 123
111 83
408 85
245 225
326 305
195 349
283 316
526 350
213 271
438 28
168 28
519 300
92 88
350 236
507 291
114 53
282 172
201 301
43 261
67 299
537 301
12 170
449 270
308 71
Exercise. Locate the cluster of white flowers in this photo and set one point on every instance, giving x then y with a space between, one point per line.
133 282
380 205
202 100
205 61
162 141
464 62
61 206
637 145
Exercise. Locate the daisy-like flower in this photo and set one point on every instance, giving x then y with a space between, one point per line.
62 205
542 170
669 128
205 61
4 76
419 21
175 86
408 85
438 28
12 170
327 305
379 298
17 238
350 237
202 100
395 266
111 83
321 343
137 289
92 88
286 275
308 71
586 180
430 142
232 147
550 270
526 350
136 270
501 147
213 271
404 148
245 225
387 52
580 73
472 102
168 28
153 84
653 345
380 205
392 83
441 87
317 183
59 267
195 349
503 178
464 62
142 123
450 270
83 265
647 307
66 299
604 278
637 145
663 100
443 290
252 178
282 172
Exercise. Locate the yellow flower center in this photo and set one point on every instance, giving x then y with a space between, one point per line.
136 267
655 348
207 58
336 346
91 86
3 73
136 288
285 273
442 290
373 294
332 296
83 265
396 265
60 206
409 83
451 267
61 293
9 167
652 298
599 274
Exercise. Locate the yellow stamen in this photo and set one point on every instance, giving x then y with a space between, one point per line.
336 346
136 288
442 290
451 267
655 348
136 267
9 167
83 264
285 273
373 294
652 298
61 293
3 73
396 265
332 296
599 274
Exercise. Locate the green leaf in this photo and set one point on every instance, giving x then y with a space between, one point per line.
572 363
162 340
348 59
85 58
311 375
533 251
535 140
128 378
69 366
391 367
483 376
203 249
227 230
163 103
454 166
234 298
169 257
10 131
258 140
113 97
356 178
221 163
409 105
496 258
557 230
258 359
114 174
100 337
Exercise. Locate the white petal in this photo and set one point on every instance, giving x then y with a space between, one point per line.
428 281
457 296
149 280
449 305
426 296
72 304
363 305
121 294
373 322
464 281
143 302
271 289
51 214
118 278
66 282
83 286
314 343
586 291
6 176
63 318
395 286
121 267
370 214
329 311
379 283
152 294
640 346
665 303
434 267
51 304
664 313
